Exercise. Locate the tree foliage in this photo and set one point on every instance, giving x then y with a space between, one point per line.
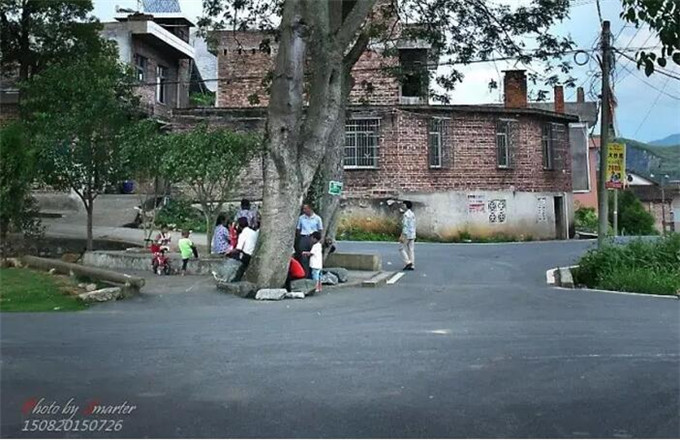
77 124
18 209
663 18
633 218
37 33
210 162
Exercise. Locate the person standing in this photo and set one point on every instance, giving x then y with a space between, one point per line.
316 259
308 223
407 239
247 212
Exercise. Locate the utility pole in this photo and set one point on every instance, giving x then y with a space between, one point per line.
603 203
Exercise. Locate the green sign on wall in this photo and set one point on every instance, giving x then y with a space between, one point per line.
334 188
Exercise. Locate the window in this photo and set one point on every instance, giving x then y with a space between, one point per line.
415 78
161 84
436 139
547 141
140 67
503 144
361 143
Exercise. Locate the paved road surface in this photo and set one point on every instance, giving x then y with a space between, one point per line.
471 344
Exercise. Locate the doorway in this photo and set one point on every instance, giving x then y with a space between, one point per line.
560 230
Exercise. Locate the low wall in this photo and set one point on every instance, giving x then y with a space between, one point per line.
142 261
204 266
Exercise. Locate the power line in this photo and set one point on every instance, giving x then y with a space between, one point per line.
659 70
652 107
653 86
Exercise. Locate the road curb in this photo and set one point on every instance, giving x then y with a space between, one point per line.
561 278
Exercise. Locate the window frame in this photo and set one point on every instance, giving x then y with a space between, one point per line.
373 135
507 135
141 64
548 146
436 128
161 84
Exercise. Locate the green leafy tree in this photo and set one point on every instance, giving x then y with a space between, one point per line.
143 146
634 219
18 209
37 33
210 162
77 112
663 18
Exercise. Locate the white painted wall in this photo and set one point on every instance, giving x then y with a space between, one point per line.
479 213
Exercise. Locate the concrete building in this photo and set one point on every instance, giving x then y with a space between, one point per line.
155 42
660 197
482 170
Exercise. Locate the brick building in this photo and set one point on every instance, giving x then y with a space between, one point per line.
155 42
469 169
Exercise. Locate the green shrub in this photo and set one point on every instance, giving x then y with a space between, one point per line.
585 219
633 218
646 266
182 215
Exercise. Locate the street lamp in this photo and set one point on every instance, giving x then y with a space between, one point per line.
663 202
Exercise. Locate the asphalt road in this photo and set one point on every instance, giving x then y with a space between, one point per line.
471 344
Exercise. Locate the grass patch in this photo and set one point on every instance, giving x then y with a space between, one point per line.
25 290
643 266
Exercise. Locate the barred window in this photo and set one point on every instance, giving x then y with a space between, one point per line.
161 84
140 67
503 144
361 143
548 142
436 139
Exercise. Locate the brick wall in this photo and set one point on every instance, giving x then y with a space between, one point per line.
404 161
242 66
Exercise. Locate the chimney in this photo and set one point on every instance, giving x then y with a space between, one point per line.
515 88
580 96
559 99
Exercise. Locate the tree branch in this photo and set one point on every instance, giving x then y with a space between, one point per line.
353 22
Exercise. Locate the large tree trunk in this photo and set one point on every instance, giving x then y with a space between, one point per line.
295 149
282 189
331 169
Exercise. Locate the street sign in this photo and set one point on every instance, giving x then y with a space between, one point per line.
616 166
334 188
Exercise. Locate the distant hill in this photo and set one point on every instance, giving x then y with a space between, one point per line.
668 141
646 159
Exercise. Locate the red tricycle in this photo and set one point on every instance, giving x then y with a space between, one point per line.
160 263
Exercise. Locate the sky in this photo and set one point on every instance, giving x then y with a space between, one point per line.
648 107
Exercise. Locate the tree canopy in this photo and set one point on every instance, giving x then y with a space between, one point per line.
37 33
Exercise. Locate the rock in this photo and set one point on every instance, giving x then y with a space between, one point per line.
231 270
304 285
13 262
91 287
101 295
271 294
329 278
295 295
244 289
340 272
52 271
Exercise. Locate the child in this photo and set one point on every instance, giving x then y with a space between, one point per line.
163 238
316 259
187 249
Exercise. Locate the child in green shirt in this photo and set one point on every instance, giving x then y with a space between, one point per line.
186 249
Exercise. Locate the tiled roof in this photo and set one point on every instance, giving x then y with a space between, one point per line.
161 6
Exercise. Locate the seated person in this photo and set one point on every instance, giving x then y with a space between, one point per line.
247 240
220 239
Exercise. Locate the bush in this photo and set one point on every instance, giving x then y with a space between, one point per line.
633 218
179 213
645 266
585 219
